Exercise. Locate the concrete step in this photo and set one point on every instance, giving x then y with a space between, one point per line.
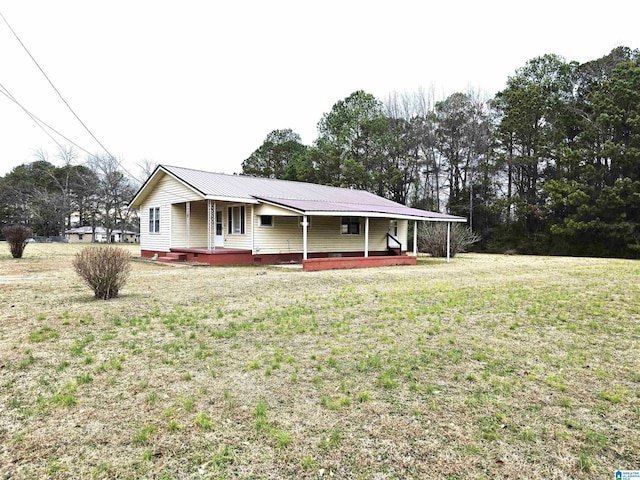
177 256
167 259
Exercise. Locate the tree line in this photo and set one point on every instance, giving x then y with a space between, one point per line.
549 165
47 198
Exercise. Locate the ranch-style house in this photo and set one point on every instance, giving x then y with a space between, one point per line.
225 219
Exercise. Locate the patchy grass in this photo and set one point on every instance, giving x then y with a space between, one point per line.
488 366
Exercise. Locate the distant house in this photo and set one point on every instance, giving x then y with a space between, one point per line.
223 219
128 236
85 235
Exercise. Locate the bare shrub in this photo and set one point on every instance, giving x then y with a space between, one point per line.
105 269
17 236
432 238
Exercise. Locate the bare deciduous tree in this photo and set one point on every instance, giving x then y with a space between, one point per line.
115 190
146 167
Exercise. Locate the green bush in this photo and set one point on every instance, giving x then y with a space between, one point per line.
17 237
432 238
104 269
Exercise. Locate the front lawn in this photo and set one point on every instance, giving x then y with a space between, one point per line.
490 366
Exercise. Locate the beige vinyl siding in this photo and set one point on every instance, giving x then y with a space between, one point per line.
166 193
378 229
284 237
199 233
178 225
323 236
155 241
264 209
403 231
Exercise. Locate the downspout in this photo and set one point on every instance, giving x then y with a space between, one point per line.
208 224
188 212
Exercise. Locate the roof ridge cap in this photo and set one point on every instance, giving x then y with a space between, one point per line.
164 165
240 175
319 200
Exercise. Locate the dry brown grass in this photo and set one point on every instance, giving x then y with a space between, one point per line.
490 366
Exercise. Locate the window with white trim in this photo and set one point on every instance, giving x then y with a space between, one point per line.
154 220
266 221
235 220
350 226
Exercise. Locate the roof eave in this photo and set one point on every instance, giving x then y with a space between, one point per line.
136 202
349 213
280 205
221 198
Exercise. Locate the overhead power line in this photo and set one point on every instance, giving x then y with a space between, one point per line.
67 105
53 86
38 121
41 124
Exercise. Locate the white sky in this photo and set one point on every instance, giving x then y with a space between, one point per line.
201 83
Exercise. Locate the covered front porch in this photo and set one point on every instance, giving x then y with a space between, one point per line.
227 233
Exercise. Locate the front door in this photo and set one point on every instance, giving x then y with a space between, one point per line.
218 238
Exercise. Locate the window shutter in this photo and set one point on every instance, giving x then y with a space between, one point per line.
229 220
242 220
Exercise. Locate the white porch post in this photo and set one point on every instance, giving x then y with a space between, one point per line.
208 224
415 238
188 211
366 236
253 238
171 225
304 237
448 241
215 224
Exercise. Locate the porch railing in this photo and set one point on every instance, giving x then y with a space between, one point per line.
393 242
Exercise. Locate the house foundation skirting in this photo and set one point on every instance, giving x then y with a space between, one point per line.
212 257
315 261
315 264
